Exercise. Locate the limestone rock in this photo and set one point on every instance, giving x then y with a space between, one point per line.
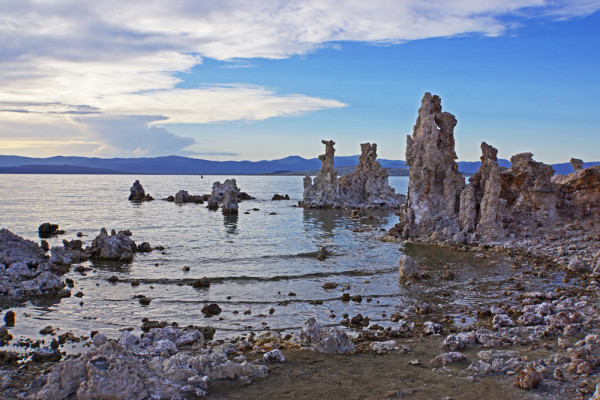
408 268
579 192
324 190
527 186
138 194
324 340
447 358
148 367
435 184
577 164
528 378
47 230
183 196
117 246
366 187
368 184
274 356
481 207
225 193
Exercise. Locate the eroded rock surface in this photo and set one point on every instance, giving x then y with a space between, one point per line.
116 247
138 194
435 184
147 367
366 187
24 270
514 207
225 193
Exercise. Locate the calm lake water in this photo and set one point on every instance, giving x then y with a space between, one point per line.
256 261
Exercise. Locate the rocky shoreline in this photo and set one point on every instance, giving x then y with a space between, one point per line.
529 343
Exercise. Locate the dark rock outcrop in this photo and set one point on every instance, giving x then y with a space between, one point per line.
138 194
47 230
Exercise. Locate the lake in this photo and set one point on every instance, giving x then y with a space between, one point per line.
262 265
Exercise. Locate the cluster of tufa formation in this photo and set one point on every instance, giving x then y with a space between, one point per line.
225 193
367 186
496 201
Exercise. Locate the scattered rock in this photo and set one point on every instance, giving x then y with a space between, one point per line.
274 356
324 340
329 285
201 283
528 378
280 197
408 268
447 358
210 310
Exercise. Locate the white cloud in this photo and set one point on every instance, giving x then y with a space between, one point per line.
120 57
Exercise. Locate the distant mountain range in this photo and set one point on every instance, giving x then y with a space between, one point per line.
176 165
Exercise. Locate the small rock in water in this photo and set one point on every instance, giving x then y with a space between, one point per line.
211 309
201 283
329 285
323 254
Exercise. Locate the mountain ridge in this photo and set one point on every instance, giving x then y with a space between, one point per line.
179 165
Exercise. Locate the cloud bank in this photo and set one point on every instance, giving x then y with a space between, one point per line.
118 62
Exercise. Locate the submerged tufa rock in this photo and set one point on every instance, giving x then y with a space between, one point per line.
225 193
367 186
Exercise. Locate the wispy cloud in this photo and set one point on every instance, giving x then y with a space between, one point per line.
120 59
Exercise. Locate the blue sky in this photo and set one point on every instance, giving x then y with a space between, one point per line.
235 80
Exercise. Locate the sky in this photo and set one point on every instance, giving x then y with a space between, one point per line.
255 80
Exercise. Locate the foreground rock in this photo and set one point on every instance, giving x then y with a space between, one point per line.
152 366
324 340
366 187
24 270
225 193
138 194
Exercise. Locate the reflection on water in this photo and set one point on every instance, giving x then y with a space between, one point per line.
230 222
263 258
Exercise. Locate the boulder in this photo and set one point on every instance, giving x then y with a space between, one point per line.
408 268
117 247
277 196
138 194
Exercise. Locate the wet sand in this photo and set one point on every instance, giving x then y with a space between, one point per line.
311 375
